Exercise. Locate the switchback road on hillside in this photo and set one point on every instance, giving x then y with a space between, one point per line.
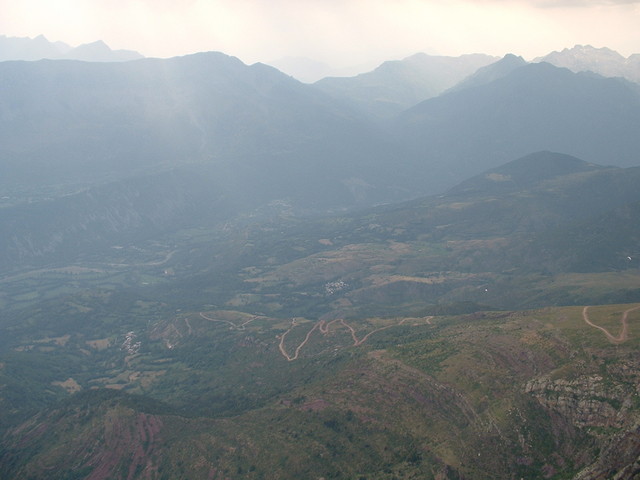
623 336
323 327
302 344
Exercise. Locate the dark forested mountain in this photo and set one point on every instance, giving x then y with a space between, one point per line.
400 84
523 173
603 61
73 122
535 107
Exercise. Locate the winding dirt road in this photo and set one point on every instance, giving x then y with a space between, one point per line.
233 325
302 344
188 323
323 327
623 336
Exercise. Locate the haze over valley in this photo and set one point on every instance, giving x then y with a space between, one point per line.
211 269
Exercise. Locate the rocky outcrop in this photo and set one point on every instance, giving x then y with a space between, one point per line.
604 406
587 401
619 458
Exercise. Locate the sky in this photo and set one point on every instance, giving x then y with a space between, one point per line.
340 33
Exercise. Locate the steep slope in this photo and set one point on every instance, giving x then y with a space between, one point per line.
398 85
536 107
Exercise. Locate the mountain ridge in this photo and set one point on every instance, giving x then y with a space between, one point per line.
396 85
535 107
491 72
206 107
603 61
39 48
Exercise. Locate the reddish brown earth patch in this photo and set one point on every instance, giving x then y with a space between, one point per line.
135 445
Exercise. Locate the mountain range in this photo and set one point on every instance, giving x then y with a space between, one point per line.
397 85
38 48
309 71
87 122
603 61
250 135
213 270
534 107
182 110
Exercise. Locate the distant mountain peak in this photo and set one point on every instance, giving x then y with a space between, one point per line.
545 164
603 61
507 63
96 44
38 48
399 84
587 50
491 72
99 51
510 57
525 172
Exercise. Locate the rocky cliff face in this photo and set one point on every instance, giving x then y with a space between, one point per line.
619 458
586 401
605 406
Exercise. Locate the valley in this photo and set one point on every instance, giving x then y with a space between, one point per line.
379 325
211 270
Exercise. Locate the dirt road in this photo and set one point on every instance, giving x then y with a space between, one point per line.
323 327
623 336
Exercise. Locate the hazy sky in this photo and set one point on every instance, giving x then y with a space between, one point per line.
338 32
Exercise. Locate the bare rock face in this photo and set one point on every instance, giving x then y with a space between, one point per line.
619 458
606 407
586 401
